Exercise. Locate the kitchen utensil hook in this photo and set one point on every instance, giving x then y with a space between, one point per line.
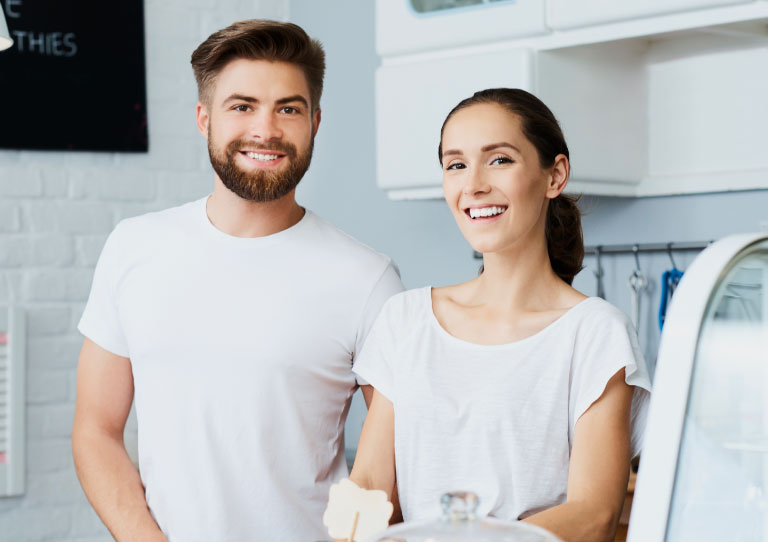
599 272
669 253
637 283
636 251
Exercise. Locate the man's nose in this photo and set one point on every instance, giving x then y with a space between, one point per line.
265 127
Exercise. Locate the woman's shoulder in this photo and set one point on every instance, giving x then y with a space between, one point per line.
600 324
407 304
598 311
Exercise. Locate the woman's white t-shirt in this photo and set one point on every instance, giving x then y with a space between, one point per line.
495 419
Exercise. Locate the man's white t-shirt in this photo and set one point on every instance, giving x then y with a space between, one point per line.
497 420
241 351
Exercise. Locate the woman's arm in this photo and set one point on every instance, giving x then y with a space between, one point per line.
374 466
598 470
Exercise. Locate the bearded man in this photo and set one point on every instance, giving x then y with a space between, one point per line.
232 321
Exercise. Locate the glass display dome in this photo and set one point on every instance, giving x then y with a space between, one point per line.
704 469
459 524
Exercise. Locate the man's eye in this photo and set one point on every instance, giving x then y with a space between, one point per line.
242 108
289 110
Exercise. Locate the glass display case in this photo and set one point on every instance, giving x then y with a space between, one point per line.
429 6
704 469
405 27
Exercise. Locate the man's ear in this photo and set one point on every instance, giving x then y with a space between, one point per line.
203 118
316 122
558 176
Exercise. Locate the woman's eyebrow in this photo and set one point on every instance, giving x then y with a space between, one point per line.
452 151
494 146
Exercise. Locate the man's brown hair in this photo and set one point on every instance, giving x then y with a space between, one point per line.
259 40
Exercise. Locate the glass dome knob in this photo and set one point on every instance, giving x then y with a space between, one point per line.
459 505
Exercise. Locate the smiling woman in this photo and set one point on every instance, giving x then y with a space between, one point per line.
513 384
539 144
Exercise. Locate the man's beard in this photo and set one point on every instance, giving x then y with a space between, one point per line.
259 185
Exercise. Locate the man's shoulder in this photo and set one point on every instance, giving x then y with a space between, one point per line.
338 243
154 224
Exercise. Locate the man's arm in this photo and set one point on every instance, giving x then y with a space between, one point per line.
109 479
598 470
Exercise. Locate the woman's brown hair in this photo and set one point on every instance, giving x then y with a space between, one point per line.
259 40
565 242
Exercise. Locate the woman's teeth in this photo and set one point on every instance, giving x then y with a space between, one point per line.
486 211
262 157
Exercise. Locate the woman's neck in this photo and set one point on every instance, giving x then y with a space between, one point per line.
520 279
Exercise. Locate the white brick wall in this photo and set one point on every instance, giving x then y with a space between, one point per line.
56 210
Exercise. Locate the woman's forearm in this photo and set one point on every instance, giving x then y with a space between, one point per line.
374 478
578 522
113 486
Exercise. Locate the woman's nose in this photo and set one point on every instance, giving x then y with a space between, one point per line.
475 183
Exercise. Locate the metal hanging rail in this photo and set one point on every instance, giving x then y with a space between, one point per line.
646 247
636 248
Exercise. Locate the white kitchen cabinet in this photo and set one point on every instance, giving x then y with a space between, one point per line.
408 26
658 115
566 14
413 99
704 467
659 105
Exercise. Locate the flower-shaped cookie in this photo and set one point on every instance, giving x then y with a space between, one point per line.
356 514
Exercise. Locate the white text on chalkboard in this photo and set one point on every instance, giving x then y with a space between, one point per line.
45 43
11 9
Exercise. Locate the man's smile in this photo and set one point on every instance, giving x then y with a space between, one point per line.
264 159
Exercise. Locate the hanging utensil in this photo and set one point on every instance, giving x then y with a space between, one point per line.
669 281
637 283
599 272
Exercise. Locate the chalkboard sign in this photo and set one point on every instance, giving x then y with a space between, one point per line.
74 78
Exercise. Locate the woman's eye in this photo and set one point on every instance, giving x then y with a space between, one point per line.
456 165
501 160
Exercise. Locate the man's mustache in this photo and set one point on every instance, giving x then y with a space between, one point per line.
284 147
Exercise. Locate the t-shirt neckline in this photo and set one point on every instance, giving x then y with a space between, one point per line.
567 315
266 240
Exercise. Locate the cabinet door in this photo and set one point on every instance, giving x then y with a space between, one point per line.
564 14
406 26
413 99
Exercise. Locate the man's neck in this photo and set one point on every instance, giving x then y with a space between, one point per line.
231 214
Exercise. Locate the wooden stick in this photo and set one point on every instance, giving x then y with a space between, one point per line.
354 528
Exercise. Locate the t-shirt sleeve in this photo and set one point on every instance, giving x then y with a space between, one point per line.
100 321
374 364
606 344
386 286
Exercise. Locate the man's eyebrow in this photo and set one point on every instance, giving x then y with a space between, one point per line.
282 101
295 98
494 146
241 98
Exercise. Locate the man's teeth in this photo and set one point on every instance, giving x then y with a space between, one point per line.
486 211
262 157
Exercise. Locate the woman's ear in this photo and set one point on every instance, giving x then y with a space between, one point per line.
558 177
